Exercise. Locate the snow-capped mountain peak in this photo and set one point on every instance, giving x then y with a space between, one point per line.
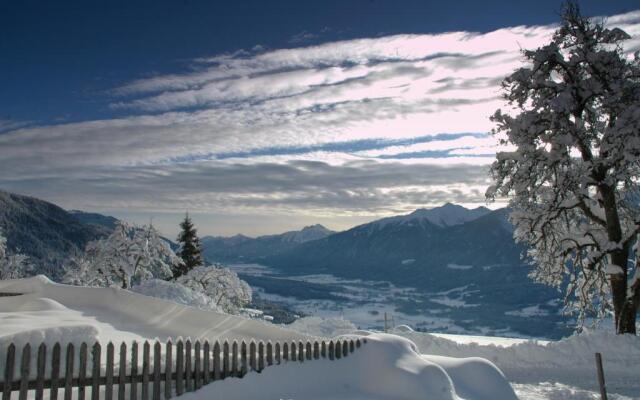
311 232
446 215
449 214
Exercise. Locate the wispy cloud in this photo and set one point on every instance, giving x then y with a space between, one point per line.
381 124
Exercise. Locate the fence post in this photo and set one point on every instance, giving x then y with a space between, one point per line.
95 371
122 371
188 379
133 387
108 390
234 358
278 353
323 352
269 353
82 372
243 359
294 353
55 372
168 367
603 388
216 361
157 370
206 358
226 367
68 377
179 368
301 351
316 350
252 356
196 367
24 372
331 350
146 361
42 359
260 356
8 372
285 351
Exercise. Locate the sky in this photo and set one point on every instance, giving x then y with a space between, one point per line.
260 117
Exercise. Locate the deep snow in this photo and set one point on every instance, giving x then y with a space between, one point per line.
387 367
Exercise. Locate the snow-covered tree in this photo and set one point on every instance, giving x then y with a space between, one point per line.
128 255
190 250
12 266
227 290
79 270
574 121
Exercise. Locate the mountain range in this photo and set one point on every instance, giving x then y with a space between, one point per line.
447 249
239 247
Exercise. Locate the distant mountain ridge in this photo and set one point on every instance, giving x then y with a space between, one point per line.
90 218
239 247
43 231
436 251
447 215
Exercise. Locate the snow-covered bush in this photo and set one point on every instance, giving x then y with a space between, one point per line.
324 327
175 292
227 290
129 255
12 266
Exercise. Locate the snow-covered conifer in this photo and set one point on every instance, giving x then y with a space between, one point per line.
190 250
574 122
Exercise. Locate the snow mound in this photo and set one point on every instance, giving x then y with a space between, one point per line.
41 304
175 292
386 367
568 361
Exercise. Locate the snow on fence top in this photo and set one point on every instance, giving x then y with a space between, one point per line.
193 366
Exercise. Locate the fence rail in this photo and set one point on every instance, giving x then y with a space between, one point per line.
163 374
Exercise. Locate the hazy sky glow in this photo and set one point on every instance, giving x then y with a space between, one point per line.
266 139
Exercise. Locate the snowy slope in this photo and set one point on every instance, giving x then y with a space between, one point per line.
386 367
115 314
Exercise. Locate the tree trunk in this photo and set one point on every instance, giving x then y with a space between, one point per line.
624 317
631 307
627 323
624 314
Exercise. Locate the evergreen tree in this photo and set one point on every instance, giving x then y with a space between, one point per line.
190 249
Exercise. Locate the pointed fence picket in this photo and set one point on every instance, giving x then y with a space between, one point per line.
187 366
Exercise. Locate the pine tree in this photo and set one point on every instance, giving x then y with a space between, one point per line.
190 249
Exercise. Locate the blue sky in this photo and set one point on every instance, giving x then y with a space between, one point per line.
260 117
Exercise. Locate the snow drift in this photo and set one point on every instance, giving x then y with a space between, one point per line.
387 367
